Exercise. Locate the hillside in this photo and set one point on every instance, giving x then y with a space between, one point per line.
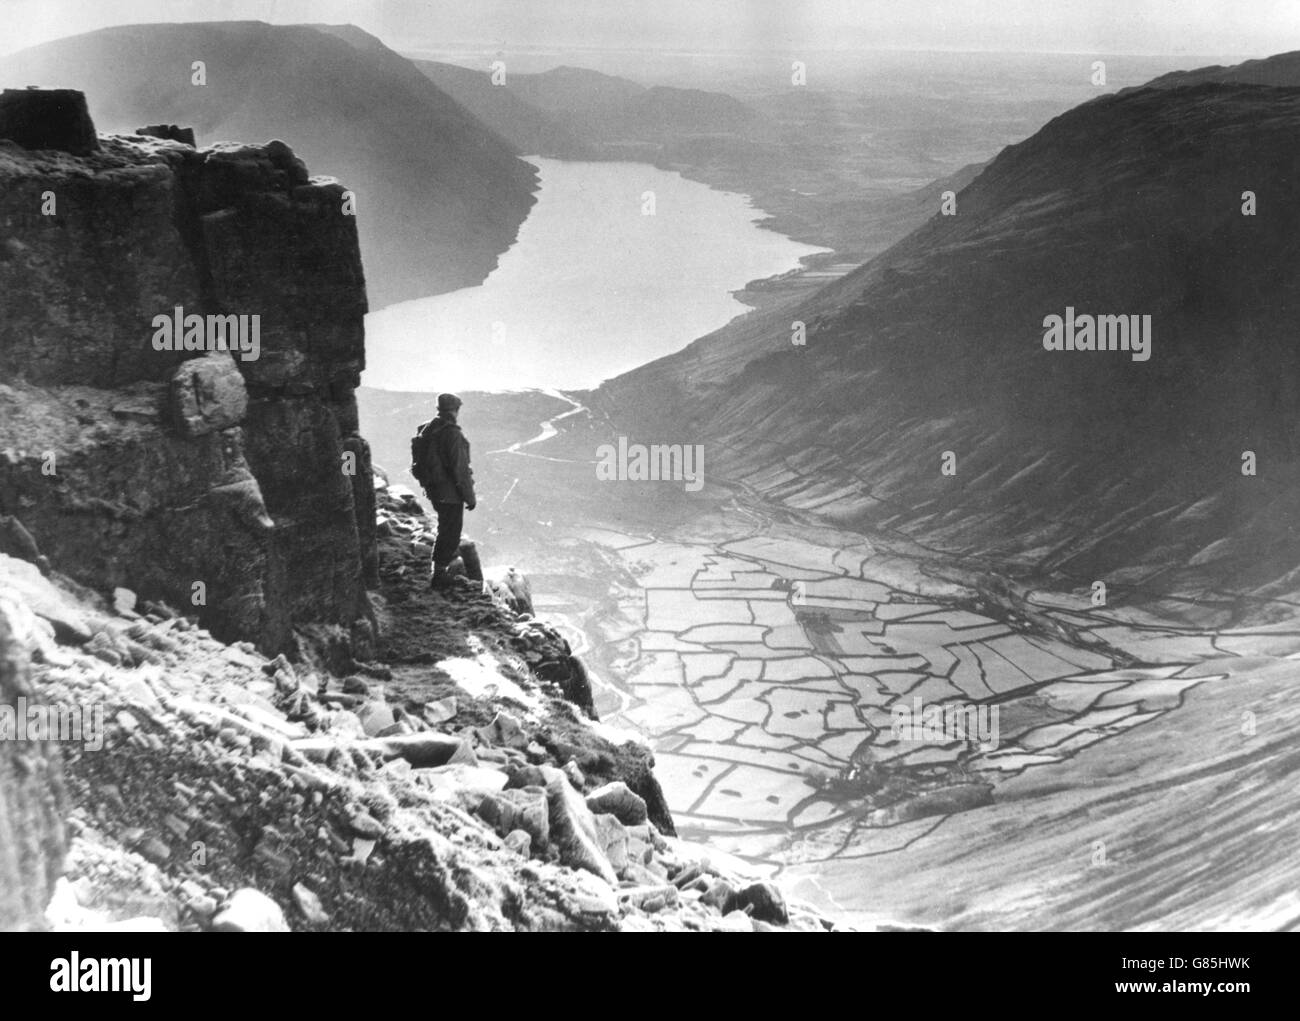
1077 465
439 195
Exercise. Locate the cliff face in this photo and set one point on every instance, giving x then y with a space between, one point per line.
231 484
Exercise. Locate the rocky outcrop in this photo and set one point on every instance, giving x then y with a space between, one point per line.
48 119
233 482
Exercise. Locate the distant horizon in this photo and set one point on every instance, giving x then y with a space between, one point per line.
1128 28
471 46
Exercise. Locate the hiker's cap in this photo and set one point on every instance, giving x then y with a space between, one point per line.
449 402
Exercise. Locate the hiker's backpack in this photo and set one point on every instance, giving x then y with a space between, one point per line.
420 443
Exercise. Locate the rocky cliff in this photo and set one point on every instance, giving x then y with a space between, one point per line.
231 483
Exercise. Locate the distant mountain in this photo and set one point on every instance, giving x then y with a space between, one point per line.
1085 465
439 195
524 126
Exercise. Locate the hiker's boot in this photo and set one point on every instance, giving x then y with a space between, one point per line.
440 579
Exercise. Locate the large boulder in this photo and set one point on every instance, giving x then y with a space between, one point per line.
207 394
573 828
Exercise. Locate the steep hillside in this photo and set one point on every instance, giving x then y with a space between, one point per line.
1086 464
439 196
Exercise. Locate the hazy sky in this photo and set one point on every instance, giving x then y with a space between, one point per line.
1245 27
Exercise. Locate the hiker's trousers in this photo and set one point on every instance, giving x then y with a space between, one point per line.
451 519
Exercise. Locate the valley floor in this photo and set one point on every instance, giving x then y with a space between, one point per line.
1134 772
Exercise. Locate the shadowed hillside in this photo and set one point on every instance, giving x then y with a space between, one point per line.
439 196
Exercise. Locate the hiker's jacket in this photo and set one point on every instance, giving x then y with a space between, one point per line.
451 480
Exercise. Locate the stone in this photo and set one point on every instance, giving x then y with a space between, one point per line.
592 896
310 905
573 828
283 158
619 800
48 119
525 776
459 776
638 851
375 717
363 824
612 838
207 395
575 776
440 711
27 585
154 849
524 809
718 895
637 873
250 911
469 556
736 921
17 541
124 603
519 842
346 724
763 901
649 898
171 132
427 749
504 731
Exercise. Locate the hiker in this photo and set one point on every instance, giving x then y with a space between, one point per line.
440 463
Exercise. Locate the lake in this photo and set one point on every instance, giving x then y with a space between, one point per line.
593 286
